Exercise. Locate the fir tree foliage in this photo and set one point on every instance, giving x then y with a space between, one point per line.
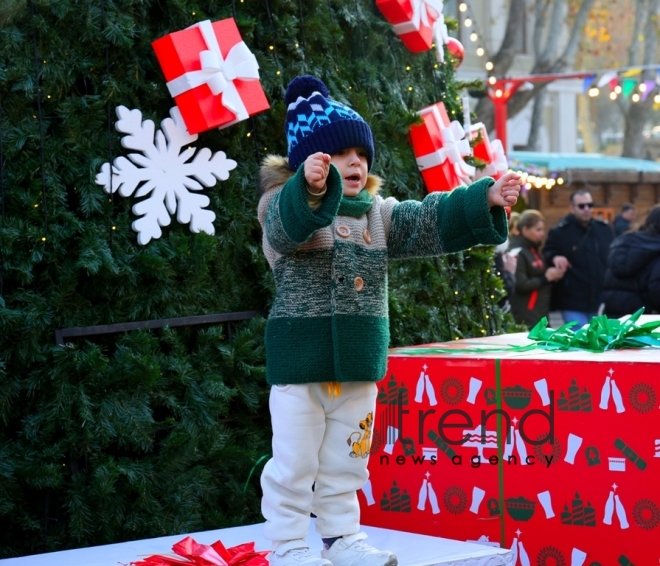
149 433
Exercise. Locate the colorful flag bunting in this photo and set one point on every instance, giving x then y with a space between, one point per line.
588 81
628 86
606 77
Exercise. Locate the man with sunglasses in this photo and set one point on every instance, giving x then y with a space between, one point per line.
579 244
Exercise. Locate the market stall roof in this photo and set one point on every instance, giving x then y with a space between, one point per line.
590 161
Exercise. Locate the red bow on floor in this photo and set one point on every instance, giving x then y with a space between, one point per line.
196 554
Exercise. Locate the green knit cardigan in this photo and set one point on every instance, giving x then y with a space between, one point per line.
329 319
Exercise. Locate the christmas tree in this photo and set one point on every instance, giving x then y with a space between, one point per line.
146 432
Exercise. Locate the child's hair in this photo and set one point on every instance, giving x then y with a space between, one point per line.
529 219
315 122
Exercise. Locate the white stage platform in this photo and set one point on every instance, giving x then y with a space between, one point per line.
411 549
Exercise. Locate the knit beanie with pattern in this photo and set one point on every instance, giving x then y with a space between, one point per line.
315 122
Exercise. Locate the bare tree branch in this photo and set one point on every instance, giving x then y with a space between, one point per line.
540 18
635 44
534 141
554 32
503 60
638 112
566 60
550 29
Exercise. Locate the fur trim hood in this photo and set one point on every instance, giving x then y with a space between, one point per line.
274 172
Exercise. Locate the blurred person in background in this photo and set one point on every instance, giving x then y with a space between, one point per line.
632 279
531 299
623 220
579 245
505 263
514 217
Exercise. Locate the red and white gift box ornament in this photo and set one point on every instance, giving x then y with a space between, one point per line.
491 152
440 146
211 74
418 23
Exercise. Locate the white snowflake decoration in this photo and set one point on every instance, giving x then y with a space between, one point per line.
163 172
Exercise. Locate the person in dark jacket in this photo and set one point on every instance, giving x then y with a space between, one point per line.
531 299
624 218
579 244
632 279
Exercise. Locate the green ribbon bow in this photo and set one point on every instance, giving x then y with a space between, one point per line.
600 335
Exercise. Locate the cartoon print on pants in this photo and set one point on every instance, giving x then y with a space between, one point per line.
360 442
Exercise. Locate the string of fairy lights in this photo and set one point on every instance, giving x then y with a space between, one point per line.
470 23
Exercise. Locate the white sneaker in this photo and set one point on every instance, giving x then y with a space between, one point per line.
295 553
351 551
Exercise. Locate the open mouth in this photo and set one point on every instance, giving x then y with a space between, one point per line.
353 178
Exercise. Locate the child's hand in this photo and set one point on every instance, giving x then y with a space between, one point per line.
505 191
317 167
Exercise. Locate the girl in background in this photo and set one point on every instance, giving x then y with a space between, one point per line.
531 300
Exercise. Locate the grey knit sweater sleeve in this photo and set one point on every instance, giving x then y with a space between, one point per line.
445 222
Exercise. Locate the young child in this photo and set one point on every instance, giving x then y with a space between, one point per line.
328 237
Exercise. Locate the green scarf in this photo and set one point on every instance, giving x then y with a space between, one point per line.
356 206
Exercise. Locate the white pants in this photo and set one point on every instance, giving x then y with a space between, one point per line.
322 441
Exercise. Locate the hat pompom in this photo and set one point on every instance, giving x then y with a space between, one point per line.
304 86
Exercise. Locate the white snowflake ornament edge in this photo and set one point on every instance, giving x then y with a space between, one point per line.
165 173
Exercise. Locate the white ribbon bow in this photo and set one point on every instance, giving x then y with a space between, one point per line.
218 73
454 147
429 14
500 164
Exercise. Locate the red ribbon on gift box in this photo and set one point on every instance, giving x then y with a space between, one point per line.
439 147
216 554
418 23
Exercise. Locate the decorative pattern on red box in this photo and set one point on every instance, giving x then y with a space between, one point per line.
554 455
418 23
439 146
491 152
212 75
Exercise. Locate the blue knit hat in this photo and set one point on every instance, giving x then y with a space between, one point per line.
315 122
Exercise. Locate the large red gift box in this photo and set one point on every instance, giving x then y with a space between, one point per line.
577 481
212 75
439 146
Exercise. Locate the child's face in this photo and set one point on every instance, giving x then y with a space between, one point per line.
352 164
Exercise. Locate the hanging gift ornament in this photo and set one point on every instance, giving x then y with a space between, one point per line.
457 51
440 146
419 23
211 74
490 152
